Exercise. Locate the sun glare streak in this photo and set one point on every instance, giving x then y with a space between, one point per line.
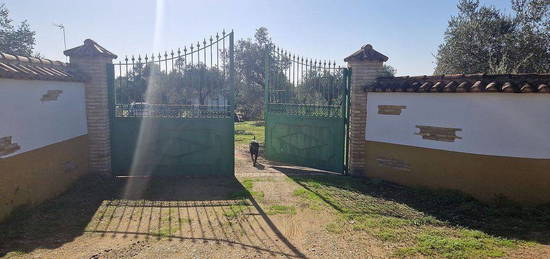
142 166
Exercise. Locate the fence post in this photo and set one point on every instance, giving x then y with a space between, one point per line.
366 65
232 72
232 96
92 60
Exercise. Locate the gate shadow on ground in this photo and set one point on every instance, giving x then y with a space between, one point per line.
502 218
198 210
216 210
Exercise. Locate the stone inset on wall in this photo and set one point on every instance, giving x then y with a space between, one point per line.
391 109
438 133
393 163
52 95
7 147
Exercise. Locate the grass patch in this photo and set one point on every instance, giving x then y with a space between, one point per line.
234 211
312 200
245 132
281 209
184 220
168 229
248 184
458 244
259 123
426 222
165 232
305 194
335 227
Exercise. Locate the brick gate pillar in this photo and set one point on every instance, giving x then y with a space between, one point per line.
92 59
366 65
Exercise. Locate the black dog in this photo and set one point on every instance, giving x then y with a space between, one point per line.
254 150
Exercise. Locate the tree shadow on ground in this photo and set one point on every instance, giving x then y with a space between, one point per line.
501 218
185 209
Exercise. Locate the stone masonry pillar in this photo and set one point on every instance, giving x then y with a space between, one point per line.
366 65
91 59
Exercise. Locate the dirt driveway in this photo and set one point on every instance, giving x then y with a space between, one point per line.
189 218
272 210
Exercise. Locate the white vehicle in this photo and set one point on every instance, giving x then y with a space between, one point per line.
139 109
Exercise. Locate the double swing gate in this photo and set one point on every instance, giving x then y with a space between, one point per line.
306 110
172 113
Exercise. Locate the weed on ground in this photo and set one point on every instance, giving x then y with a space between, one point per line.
235 211
281 209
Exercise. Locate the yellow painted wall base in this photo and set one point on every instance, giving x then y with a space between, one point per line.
523 180
34 176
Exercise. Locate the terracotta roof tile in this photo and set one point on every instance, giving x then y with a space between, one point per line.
19 67
89 49
503 83
367 53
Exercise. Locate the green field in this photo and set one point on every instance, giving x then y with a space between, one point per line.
245 132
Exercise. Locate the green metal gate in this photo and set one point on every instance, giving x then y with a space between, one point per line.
306 111
172 113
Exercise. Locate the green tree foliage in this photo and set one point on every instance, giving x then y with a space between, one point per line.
482 39
388 71
321 87
199 84
317 86
250 57
15 40
203 82
192 84
131 87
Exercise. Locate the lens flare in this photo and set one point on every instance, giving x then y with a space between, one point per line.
142 166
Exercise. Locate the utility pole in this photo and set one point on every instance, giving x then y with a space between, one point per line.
62 27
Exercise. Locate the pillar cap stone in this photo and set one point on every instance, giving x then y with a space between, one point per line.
90 48
366 53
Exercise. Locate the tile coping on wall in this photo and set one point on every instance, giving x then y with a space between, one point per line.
459 83
32 68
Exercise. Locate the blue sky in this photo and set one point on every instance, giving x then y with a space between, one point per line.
408 31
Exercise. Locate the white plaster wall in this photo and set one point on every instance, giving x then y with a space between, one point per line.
33 123
512 125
